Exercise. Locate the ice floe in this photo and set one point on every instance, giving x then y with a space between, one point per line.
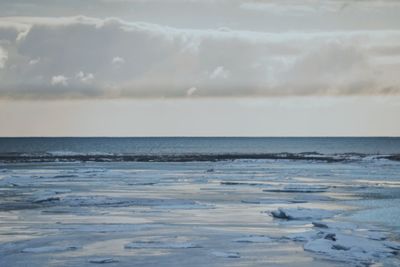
95 200
46 198
98 200
102 260
66 176
299 188
139 184
49 195
160 245
375 235
268 201
304 236
49 249
92 170
225 254
101 228
312 198
349 248
302 214
392 245
243 183
335 225
254 239
353 246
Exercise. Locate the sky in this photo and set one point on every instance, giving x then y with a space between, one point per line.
199 68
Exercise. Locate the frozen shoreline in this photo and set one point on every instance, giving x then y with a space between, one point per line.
252 213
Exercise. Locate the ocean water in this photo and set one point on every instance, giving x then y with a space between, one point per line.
59 147
199 202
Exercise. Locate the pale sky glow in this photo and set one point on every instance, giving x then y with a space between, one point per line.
301 116
214 67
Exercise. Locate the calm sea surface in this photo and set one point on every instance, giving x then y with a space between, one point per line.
200 145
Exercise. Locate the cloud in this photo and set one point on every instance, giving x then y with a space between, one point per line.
3 57
59 80
34 61
219 72
310 6
110 58
118 61
191 91
85 77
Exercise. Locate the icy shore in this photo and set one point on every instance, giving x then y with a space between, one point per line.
227 213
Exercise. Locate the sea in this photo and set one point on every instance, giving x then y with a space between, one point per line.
151 148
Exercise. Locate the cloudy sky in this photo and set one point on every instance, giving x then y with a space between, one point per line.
199 67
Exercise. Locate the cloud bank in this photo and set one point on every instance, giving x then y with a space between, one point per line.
86 57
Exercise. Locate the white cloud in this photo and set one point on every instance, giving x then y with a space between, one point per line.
3 57
161 61
219 72
85 77
59 80
191 91
117 61
34 61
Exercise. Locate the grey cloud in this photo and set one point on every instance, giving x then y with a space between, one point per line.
256 15
83 57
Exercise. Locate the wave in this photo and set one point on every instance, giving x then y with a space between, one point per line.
68 156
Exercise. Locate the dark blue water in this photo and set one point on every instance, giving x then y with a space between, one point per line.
199 145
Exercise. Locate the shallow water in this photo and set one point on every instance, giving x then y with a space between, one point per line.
195 213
